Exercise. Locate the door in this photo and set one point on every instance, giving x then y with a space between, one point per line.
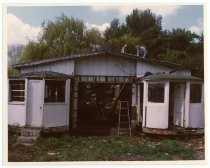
35 103
179 102
155 112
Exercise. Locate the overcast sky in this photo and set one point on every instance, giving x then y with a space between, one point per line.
24 23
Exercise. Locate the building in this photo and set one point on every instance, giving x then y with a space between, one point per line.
77 91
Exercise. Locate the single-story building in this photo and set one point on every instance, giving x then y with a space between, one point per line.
77 91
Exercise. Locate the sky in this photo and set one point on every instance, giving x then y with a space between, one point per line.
24 22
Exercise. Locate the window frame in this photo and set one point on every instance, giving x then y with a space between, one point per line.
201 92
55 102
23 90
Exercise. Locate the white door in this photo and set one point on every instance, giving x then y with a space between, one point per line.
35 103
179 102
155 112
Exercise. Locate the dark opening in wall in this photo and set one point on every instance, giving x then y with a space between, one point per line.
55 91
195 93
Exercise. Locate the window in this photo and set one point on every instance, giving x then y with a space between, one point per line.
55 91
195 93
17 90
156 93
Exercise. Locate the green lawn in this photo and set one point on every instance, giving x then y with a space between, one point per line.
110 148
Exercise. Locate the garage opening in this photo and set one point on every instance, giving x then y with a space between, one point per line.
95 102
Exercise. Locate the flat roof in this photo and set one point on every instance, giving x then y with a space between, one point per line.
170 77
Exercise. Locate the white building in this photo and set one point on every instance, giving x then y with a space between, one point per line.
77 91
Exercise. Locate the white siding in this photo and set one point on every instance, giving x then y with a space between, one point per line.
65 67
142 68
196 115
17 114
182 72
105 66
55 115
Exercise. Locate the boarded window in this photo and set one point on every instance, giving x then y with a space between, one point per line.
55 91
156 93
195 93
17 90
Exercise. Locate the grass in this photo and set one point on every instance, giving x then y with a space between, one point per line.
70 148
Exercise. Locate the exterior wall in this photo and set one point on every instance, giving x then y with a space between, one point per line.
142 68
17 114
182 72
17 110
65 67
105 66
55 114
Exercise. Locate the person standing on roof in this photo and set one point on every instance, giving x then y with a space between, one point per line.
141 51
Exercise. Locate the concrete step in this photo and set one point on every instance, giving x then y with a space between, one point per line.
26 140
26 132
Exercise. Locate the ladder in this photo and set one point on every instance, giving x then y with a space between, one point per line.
124 117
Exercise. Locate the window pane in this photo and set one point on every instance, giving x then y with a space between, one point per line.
55 91
156 93
195 93
17 90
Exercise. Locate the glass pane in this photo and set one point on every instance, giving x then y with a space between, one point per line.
156 93
195 93
17 90
55 91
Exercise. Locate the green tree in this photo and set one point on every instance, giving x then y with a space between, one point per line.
64 36
139 21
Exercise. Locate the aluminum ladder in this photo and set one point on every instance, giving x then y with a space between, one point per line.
124 117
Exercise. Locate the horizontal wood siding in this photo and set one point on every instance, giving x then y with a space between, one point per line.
65 67
55 115
105 66
17 114
142 68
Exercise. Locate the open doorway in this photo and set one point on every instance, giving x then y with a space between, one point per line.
177 103
94 104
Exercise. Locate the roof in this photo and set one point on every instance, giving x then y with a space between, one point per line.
43 74
98 53
170 77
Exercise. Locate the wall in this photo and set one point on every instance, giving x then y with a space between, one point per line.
17 113
55 115
196 116
143 67
105 66
65 67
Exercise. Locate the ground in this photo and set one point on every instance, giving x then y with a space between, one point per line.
107 148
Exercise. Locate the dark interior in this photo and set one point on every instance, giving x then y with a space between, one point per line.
95 102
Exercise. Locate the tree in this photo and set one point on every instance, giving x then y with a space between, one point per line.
64 36
14 54
139 21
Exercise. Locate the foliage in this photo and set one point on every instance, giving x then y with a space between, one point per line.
106 148
64 36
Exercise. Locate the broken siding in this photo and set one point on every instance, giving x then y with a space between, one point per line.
105 66
65 67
